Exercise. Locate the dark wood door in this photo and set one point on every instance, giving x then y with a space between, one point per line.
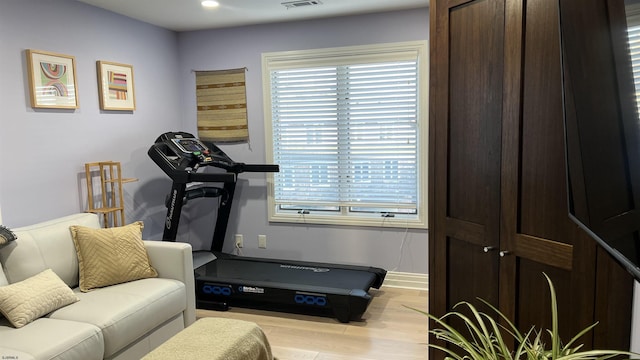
536 229
466 125
498 211
465 147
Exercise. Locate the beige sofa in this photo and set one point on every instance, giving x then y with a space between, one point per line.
123 321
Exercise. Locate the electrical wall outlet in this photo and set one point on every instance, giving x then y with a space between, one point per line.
239 240
262 241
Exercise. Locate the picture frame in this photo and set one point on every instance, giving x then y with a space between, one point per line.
52 80
115 86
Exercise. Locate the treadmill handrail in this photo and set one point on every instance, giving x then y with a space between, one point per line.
211 155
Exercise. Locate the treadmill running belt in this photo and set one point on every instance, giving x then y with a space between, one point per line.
247 270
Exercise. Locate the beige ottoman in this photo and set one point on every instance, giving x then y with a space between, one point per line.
214 338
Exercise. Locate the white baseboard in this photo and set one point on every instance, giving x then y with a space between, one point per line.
406 280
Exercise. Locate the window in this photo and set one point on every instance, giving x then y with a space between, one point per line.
347 126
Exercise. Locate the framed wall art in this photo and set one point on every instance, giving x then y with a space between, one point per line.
52 80
115 86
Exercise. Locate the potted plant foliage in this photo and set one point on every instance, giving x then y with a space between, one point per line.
485 337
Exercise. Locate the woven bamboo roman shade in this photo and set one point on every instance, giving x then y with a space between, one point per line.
222 105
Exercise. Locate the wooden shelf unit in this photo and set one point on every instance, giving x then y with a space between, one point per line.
106 178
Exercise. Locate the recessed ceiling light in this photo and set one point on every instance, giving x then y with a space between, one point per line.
210 3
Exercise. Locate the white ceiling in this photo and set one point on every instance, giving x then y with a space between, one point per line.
187 15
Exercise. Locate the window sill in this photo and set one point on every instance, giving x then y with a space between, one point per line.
401 222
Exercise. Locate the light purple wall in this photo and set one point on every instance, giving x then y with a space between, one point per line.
243 47
42 152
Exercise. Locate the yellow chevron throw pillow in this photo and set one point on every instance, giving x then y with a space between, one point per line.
111 256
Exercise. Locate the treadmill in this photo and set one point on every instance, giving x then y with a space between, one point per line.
224 280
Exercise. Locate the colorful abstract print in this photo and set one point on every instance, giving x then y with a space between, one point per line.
53 78
117 85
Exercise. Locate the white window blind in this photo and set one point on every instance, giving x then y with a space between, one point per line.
345 133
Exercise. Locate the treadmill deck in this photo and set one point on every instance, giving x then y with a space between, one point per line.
339 291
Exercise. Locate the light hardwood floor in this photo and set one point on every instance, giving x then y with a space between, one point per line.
388 330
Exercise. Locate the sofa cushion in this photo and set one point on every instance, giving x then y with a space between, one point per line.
52 339
111 256
12 353
127 311
29 299
45 245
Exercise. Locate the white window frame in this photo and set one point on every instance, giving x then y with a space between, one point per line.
318 57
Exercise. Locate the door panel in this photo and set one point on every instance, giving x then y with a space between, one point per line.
534 305
542 140
540 236
613 305
465 144
469 269
475 77
470 193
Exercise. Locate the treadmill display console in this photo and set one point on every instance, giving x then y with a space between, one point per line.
190 145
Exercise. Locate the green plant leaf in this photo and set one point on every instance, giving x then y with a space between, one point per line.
511 329
555 338
485 337
580 334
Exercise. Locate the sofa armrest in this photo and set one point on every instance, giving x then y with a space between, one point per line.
173 260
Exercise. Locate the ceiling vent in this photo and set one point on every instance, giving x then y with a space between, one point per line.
300 3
